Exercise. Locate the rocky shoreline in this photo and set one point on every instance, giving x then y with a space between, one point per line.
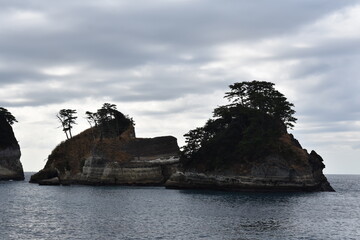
274 174
193 180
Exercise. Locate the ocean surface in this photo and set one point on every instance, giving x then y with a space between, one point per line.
30 211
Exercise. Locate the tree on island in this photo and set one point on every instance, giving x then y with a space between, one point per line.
110 121
92 118
262 96
7 115
67 119
107 113
244 129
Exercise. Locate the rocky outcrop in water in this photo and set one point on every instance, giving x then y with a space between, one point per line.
151 162
270 176
295 171
96 158
10 165
253 152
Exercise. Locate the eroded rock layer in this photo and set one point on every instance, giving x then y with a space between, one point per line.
122 160
298 171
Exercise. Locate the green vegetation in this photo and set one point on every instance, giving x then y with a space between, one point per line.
242 131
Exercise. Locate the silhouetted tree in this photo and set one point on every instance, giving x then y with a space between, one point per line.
254 118
67 118
109 120
92 118
106 112
8 116
262 96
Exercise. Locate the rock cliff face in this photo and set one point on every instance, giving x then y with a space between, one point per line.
151 162
119 160
10 165
295 171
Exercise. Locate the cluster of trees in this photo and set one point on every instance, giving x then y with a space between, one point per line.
7 115
262 96
103 115
252 119
107 118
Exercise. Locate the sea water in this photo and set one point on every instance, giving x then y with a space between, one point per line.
30 211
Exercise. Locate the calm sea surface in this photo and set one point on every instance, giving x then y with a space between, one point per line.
29 211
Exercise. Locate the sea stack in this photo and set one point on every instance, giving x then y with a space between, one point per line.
10 165
287 168
246 147
111 154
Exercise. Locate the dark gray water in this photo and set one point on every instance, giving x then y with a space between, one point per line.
29 211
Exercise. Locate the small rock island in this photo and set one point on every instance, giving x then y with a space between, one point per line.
246 147
10 165
110 154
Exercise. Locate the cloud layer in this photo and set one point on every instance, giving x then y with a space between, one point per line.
168 63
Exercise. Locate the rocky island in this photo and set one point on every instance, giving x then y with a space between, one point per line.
246 147
110 154
10 165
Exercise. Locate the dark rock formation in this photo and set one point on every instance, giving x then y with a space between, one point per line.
52 181
112 160
10 165
286 166
281 179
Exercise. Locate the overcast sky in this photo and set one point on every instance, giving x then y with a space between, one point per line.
167 64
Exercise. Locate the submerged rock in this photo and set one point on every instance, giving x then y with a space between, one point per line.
10 165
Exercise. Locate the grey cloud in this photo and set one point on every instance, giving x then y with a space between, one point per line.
8 77
330 102
171 110
329 49
163 86
333 127
311 68
100 35
356 146
138 34
109 42
42 97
